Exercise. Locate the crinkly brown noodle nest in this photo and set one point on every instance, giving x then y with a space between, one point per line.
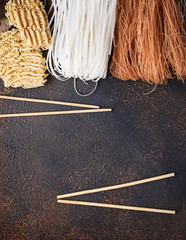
20 66
150 40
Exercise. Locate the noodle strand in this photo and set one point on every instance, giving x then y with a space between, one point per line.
81 40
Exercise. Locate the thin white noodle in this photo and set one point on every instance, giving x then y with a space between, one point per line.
82 39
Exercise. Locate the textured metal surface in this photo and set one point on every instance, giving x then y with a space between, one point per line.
42 157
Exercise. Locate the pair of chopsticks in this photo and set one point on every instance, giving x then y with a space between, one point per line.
94 204
92 108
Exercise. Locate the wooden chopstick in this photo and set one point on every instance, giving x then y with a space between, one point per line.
49 102
54 113
94 204
116 186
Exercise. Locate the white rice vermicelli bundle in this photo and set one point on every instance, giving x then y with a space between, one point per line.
81 39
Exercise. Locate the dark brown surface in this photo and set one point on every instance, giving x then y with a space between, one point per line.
41 157
2 9
4 24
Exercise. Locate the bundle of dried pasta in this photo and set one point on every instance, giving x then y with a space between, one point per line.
149 41
20 66
31 19
81 39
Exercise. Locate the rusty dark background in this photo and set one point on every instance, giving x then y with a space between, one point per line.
42 157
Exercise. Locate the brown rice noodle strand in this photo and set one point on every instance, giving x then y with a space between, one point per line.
175 38
149 41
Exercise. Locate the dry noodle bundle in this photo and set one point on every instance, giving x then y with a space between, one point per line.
175 37
20 66
31 19
81 39
149 41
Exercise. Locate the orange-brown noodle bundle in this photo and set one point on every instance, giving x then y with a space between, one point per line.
150 41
